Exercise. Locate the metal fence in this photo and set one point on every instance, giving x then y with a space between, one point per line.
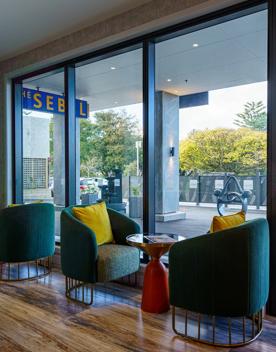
200 189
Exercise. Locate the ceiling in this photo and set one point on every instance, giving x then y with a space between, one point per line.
226 55
25 24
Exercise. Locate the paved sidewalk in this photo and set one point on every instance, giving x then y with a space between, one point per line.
198 220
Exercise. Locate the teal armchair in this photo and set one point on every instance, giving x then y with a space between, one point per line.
84 263
224 275
27 241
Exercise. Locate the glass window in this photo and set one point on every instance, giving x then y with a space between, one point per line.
211 121
43 142
110 133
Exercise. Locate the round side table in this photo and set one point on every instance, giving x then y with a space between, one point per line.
155 298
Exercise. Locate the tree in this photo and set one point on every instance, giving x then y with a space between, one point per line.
249 152
108 142
254 116
131 168
51 147
223 150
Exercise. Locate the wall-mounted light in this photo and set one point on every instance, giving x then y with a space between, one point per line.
171 151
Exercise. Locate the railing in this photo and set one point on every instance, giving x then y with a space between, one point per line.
200 189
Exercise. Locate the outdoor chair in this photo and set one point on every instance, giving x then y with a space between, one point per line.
221 280
84 263
27 241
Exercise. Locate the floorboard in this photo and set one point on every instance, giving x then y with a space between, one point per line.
36 316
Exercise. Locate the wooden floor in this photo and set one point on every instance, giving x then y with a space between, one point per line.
36 317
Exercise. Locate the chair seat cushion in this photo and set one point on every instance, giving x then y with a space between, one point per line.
115 261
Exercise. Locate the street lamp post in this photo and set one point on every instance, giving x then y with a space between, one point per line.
138 145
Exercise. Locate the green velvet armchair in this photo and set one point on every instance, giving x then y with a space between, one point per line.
27 241
84 263
221 280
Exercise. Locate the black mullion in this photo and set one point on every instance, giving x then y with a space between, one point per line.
17 138
271 170
149 138
70 135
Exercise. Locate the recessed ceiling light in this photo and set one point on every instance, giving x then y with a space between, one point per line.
115 102
195 45
112 68
169 80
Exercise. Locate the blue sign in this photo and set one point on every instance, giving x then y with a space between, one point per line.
52 103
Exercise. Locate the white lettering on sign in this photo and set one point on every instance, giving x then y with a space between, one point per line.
219 184
248 185
193 183
117 182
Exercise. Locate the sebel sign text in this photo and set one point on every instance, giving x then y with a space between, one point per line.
51 103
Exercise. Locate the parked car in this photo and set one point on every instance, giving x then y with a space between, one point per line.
98 181
83 184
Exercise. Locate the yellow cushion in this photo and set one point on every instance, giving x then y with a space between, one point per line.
226 222
96 218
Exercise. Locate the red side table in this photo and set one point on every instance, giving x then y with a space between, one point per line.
155 297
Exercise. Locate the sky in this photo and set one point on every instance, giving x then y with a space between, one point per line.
224 105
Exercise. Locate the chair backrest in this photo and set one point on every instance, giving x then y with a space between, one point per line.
69 210
27 232
225 273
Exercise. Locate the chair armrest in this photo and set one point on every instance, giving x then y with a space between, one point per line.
122 226
79 249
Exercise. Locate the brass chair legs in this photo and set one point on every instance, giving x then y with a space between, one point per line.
131 282
246 330
78 291
82 292
25 271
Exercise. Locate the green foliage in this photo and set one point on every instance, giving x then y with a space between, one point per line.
135 191
51 145
241 151
108 142
131 169
254 116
